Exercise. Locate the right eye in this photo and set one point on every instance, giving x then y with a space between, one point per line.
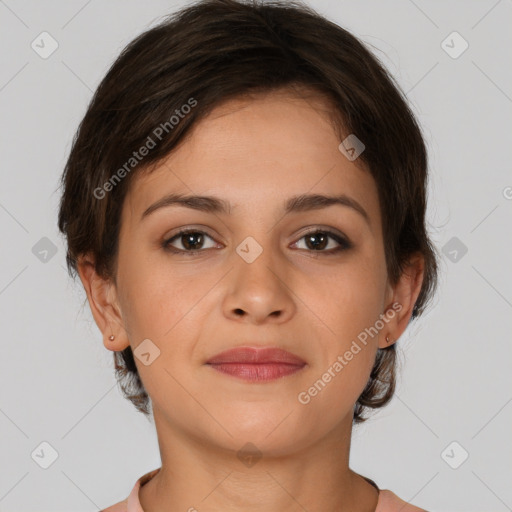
189 240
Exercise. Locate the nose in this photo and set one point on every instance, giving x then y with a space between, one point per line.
258 291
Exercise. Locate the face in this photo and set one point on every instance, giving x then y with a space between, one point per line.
308 280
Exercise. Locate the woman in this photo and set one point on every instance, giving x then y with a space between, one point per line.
244 203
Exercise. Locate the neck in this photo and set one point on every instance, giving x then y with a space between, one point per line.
196 475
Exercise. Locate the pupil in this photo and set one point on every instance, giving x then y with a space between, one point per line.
189 240
320 245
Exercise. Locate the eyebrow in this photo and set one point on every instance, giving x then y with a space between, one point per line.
212 204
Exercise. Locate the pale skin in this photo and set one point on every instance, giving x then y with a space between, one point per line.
255 154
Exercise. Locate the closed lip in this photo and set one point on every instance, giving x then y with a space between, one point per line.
255 355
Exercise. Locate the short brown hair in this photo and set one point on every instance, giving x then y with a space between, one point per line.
216 50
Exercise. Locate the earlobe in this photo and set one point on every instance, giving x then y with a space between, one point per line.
102 298
405 294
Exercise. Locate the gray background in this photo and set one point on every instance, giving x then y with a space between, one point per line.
57 379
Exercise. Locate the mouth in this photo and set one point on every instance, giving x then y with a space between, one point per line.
257 364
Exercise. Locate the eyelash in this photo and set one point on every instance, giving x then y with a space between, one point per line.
344 244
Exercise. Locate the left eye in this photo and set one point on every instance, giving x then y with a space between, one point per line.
316 241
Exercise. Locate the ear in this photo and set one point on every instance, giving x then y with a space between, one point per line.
103 301
403 298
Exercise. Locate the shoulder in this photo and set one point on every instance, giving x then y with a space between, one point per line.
132 503
390 502
122 506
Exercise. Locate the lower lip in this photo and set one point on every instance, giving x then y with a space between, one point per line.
257 372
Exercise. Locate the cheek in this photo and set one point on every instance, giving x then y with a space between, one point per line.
352 300
162 302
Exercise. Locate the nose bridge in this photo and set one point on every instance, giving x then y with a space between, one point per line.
256 261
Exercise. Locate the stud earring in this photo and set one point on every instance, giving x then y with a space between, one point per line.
111 337
387 339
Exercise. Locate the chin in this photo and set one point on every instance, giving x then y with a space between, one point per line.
274 434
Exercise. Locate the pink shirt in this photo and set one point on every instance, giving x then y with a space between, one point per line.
388 501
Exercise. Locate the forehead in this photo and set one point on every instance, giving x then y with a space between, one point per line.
258 151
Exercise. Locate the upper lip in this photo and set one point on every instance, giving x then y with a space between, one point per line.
256 355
